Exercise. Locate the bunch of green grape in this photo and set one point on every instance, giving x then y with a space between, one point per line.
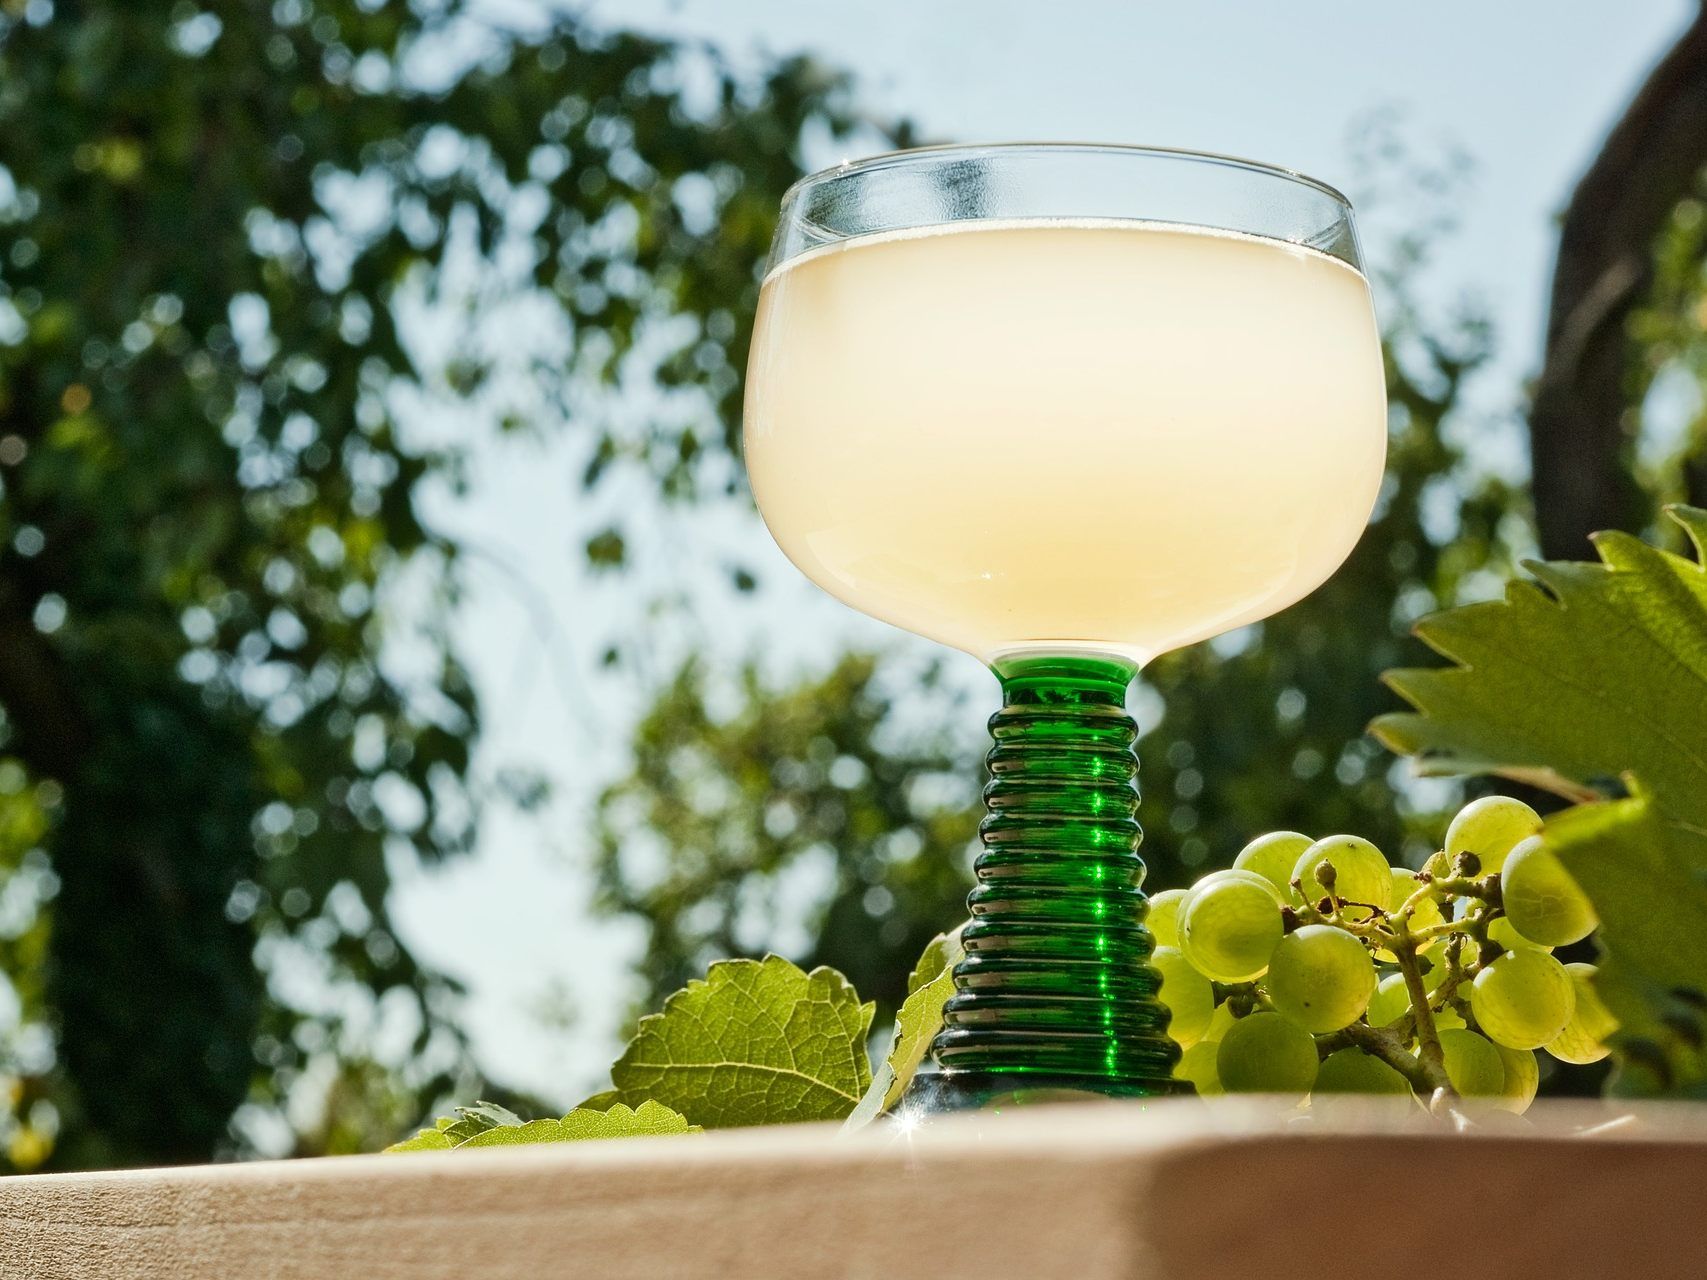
1314 967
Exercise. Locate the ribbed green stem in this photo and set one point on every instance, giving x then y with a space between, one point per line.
1056 982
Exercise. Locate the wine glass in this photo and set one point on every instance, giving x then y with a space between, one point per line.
1066 408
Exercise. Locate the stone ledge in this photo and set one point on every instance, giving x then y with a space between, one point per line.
1160 1191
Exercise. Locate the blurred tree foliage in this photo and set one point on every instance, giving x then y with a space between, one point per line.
1586 458
216 222
802 811
1666 377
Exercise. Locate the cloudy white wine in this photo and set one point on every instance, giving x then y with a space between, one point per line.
1113 436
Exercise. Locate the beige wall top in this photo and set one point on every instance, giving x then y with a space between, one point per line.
1167 1191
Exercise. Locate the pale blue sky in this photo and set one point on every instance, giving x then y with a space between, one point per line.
1525 91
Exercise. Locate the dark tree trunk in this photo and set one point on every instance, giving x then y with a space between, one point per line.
1578 440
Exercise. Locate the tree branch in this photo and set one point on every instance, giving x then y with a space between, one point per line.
1648 163
47 718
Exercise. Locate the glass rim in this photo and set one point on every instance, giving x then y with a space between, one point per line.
904 155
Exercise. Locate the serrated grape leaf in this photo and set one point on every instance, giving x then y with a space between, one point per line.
1603 673
494 1126
424 1140
649 1119
755 1042
471 1121
1596 675
1647 876
451 1131
928 988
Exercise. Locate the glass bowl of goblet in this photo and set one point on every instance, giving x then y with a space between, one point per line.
1065 408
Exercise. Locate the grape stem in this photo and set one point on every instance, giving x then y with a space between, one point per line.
1447 993
1445 928
1392 931
1430 1056
1403 943
1385 1044
1487 888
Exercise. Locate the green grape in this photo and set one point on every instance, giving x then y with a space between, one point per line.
1273 856
1162 919
1405 883
1523 999
1229 924
1489 828
1390 1001
1427 912
1321 978
1448 1019
1197 1064
1187 993
1361 873
1354 1071
1502 931
1265 1053
1473 1065
1219 1024
1542 899
1584 1036
1522 1078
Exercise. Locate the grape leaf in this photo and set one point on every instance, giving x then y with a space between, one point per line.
649 1119
493 1126
451 1131
1647 877
469 1122
1597 677
1603 673
755 1042
425 1140
928 988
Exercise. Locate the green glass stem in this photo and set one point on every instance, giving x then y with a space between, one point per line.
1056 990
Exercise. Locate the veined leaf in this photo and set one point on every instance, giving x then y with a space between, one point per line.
425 1140
1603 673
1598 675
452 1131
649 1119
755 1042
470 1122
1647 877
928 988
